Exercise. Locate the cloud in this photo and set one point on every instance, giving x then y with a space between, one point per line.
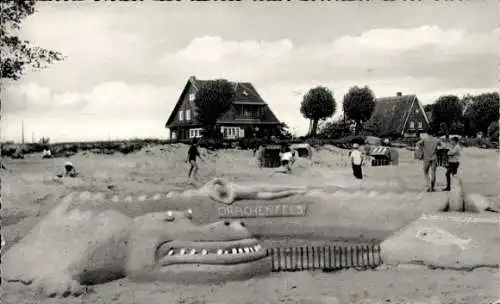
118 99
37 99
120 83
391 52
107 100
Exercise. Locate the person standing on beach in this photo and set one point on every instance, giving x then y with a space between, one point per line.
259 155
428 146
453 162
193 153
356 161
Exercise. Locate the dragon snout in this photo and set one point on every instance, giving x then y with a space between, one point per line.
235 224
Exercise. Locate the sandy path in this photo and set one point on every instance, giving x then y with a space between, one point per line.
378 286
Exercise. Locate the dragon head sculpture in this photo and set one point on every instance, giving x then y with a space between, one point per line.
169 246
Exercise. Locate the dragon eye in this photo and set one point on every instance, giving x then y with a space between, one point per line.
170 216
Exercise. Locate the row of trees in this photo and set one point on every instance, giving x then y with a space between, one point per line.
467 116
449 114
319 104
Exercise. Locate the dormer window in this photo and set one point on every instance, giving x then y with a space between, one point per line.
245 93
192 96
181 115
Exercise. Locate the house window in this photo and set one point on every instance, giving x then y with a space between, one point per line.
192 96
249 112
174 135
412 125
416 111
188 114
420 126
231 132
195 133
181 115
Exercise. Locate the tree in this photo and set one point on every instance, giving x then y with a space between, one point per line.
493 131
334 129
359 104
374 126
212 100
483 111
428 108
467 102
17 54
317 104
447 111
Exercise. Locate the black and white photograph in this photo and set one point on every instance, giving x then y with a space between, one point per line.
250 151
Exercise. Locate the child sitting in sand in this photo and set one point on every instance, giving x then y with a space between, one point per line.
46 153
287 159
69 170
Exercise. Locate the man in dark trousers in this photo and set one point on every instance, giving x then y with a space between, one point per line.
193 153
428 146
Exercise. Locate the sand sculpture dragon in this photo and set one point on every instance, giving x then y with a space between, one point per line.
84 245
91 238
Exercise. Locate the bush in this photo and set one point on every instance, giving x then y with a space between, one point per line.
493 131
478 142
69 149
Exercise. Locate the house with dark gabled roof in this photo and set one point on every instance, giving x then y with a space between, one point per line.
249 114
399 116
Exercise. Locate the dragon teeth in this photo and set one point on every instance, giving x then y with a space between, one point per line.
241 250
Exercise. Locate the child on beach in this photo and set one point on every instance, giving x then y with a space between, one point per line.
193 153
259 155
356 161
453 162
287 158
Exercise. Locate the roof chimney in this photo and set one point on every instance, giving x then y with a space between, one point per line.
192 78
399 94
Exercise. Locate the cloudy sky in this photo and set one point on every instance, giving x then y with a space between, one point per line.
128 62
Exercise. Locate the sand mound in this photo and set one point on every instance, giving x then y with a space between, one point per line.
474 202
448 240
